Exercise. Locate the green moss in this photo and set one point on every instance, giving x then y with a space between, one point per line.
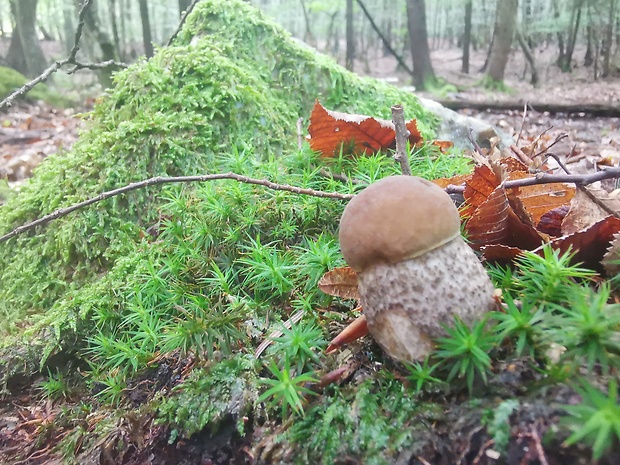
201 271
376 421
174 114
210 397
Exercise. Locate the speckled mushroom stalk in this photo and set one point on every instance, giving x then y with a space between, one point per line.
402 237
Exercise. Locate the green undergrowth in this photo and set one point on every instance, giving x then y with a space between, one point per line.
233 82
153 305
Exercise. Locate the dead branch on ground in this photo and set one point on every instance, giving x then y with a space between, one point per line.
61 212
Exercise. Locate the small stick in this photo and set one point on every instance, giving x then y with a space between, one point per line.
470 136
522 123
402 135
300 136
61 212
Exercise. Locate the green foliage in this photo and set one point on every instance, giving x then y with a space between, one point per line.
211 106
375 421
549 278
55 387
422 374
298 345
11 80
465 352
209 397
520 324
286 389
589 328
109 388
596 421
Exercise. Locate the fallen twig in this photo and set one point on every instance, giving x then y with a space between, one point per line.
545 178
61 212
402 134
70 60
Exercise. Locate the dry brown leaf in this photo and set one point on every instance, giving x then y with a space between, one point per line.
340 282
590 244
355 134
584 212
457 180
551 222
478 189
500 253
489 223
541 198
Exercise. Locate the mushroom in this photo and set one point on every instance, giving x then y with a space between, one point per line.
415 272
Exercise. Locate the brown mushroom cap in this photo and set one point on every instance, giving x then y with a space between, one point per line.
394 219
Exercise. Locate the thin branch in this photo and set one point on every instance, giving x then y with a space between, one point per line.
545 178
61 212
300 135
190 8
402 135
470 136
70 60
386 42
522 123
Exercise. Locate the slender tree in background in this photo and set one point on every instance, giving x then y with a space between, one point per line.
467 36
184 5
609 37
95 32
505 26
423 74
350 36
25 54
566 55
146 29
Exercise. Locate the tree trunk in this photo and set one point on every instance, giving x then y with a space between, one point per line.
529 56
115 35
308 36
97 34
565 59
146 29
183 6
609 37
423 74
25 54
504 32
467 37
588 59
350 37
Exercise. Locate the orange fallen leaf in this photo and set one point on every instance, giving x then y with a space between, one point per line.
331 131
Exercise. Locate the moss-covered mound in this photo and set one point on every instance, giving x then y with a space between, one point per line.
233 81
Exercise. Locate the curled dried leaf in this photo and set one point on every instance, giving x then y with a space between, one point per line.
340 282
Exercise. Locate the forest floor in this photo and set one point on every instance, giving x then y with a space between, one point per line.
29 132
